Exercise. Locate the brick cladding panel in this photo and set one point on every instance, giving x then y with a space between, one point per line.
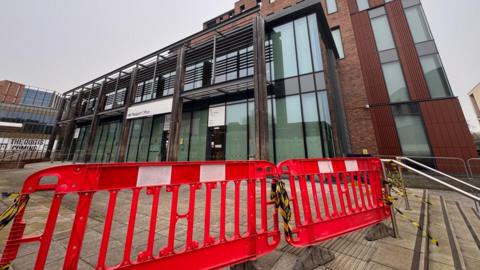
359 119
447 129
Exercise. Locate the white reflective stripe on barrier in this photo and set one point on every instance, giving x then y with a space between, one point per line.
212 173
154 176
351 165
325 167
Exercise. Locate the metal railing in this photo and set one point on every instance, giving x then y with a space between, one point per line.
474 197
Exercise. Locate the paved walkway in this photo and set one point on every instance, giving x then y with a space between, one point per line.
352 251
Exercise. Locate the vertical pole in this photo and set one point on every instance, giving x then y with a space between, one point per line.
70 127
177 108
404 189
260 90
56 127
214 58
122 144
94 126
392 209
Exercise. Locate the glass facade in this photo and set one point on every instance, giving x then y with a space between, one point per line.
79 143
39 98
418 24
105 147
299 115
148 139
397 89
411 131
435 76
382 33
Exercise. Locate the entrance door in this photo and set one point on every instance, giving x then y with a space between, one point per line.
164 145
216 143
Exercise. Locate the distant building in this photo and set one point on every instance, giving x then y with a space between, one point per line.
475 99
27 118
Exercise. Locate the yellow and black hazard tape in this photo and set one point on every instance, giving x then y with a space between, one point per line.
280 196
425 233
19 203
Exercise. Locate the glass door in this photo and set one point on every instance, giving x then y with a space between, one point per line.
216 143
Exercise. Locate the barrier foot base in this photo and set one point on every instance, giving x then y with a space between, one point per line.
378 231
248 265
313 257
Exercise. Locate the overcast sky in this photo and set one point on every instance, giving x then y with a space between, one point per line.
60 44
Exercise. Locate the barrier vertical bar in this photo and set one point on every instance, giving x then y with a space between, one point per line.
78 231
107 229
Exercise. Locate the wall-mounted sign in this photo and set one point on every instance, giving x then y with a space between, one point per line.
216 116
160 106
23 144
77 133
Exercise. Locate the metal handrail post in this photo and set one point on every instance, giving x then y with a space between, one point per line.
404 188
392 208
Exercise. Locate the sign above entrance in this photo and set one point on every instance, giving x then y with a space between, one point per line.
151 108
216 116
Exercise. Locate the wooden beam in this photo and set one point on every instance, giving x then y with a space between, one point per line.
177 108
122 151
94 125
260 90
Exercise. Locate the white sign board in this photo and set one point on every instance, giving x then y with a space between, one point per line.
22 144
216 116
77 133
160 106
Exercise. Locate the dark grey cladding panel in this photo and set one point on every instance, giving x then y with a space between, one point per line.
426 48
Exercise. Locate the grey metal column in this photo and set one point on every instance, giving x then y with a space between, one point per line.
94 125
260 90
177 108
56 127
122 151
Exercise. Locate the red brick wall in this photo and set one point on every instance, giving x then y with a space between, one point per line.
11 92
359 119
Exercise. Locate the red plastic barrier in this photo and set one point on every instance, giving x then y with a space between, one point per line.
260 235
331 197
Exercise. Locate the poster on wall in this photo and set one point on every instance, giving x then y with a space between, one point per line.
216 116
23 144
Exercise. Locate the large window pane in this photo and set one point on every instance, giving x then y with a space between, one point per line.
326 124
382 33
362 5
184 137
285 63
315 41
435 76
156 140
412 135
331 6
418 24
251 130
145 139
397 90
337 37
236 138
303 46
312 128
288 128
135 130
198 141
271 139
